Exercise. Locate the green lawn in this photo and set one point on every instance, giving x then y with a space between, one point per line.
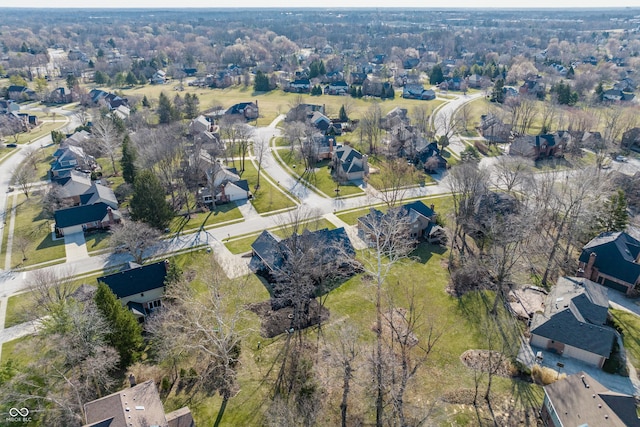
629 326
33 229
40 131
21 351
381 180
20 309
268 197
271 103
97 240
320 178
221 213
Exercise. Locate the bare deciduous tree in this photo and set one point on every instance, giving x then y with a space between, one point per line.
23 176
105 137
134 238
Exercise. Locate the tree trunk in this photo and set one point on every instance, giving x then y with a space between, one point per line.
345 393
552 254
223 406
378 359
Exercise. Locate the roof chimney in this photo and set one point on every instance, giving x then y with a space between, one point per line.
584 381
132 380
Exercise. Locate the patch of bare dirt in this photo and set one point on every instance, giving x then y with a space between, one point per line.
487 360
274 323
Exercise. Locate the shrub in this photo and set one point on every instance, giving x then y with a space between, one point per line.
545 376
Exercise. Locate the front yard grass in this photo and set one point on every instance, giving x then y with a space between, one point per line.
268 197
320 178
221 213
97 240
33 230
381 180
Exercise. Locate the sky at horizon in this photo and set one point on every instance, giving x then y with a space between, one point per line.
167 4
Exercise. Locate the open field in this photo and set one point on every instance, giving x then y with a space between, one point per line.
271 103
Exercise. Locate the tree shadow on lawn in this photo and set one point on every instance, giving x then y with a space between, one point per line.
48 242
96 237
424 251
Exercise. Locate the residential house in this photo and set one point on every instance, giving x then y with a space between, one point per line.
339 87
420 218
541 146
248 110
139 287
224 186
631 138
303 112
299 86
69 157
78 189
137 406
417 91
430 158
323 145
20 93
493 129
375 87
200 124
475 81
319 121
573 322
455 83
107 99
333 77
349 164
613 260
98 216
397 117
580 400
60 96
8 106
159 77
269 252
533 86
616 95
410 63
358 78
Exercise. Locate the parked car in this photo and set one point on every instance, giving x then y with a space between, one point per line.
11 145
621 159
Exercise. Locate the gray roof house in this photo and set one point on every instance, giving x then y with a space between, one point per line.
613 260
138 406
573 322
349 164
580 400
140 287
85 217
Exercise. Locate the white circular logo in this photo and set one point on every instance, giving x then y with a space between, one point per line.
14 412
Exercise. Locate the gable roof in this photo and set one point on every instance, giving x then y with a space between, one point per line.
267 249
98 193
138 406
137 280
84 214
575 312
616 255
580 400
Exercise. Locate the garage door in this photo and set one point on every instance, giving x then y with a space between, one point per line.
613 285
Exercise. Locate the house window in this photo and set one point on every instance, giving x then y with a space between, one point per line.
154 304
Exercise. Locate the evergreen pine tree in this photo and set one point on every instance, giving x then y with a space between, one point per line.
131 79
128 160
165 109
614 216
359 93
145 102
343 114
126 333
436 76
354 91
148 203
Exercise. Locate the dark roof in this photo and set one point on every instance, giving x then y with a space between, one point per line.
16 88
267 249
243 184
580 400
549 139
575 312
564 327
136 280
616 255
419 207
272 251
78 215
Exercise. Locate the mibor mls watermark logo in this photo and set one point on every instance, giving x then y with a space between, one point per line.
18 415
